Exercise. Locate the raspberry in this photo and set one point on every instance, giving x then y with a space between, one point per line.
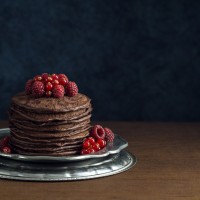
97 132
28 86
71 89
109 135
58 91
38 89
6 149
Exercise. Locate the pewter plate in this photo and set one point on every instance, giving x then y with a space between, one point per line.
70 171
112 148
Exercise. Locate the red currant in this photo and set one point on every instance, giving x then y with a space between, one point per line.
63 81
91 140
91 150
37 78
49 79
96 147
48 86
62 76
54 76
84 151
45 76
86 144
6 149
55 82
48 93
101 142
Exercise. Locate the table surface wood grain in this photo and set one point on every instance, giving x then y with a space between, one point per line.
168 168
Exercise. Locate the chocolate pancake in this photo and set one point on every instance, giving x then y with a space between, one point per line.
35 153
43 146
47 136
49 126
51 105
16 117
57 142
51 116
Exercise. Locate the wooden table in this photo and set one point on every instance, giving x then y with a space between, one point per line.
168 168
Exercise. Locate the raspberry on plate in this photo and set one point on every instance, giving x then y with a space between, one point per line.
109 135
97 132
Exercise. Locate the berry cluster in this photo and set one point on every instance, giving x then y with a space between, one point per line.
97 140
51 85
4 145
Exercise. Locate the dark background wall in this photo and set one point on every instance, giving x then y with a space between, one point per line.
137 60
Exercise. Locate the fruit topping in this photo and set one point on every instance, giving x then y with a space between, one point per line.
4 145
50 85
101 142
97 132
58 91
98 139
109 135
28 86
6 149
38 89
71 89
90 145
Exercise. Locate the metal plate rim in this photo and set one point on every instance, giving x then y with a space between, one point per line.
133 161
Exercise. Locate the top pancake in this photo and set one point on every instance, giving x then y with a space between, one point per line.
51 105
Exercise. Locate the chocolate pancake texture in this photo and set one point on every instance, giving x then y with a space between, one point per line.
49 126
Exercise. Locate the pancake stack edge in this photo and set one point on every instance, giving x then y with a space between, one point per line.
49 126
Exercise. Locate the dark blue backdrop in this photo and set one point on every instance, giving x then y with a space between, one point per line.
137 60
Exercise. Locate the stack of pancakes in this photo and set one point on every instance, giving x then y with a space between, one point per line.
49 126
